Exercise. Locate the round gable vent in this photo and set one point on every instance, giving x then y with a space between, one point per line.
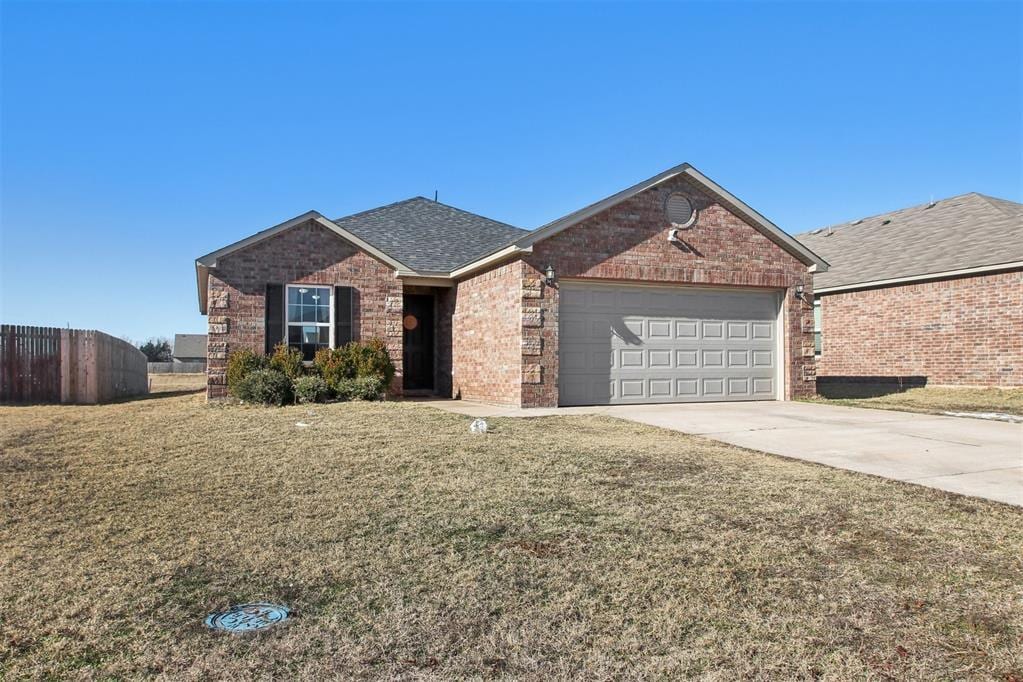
679 210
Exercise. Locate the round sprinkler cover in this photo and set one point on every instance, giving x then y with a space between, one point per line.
247 617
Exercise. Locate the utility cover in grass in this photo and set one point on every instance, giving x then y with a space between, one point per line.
247 617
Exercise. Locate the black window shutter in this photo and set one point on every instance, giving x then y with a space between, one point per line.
342 316
274 306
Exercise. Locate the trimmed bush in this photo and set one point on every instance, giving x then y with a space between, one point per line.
240 364
287 360
311 389
360 388
373 360
355 361
335 364
265 386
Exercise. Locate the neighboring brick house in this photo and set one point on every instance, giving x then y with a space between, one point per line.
927 295
672 290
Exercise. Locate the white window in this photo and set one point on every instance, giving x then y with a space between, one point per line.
309 317
817 340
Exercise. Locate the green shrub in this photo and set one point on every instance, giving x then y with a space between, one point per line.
311 389
373 360
266 386
360 388
240 364
288 360
334 364
355 361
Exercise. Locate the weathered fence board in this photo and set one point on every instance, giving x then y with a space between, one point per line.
30 364
177 367
50 365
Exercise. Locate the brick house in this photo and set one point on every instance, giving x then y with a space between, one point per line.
671 290
931 294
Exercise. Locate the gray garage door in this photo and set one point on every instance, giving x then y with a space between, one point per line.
646 344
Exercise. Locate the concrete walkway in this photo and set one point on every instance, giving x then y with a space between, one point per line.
961 455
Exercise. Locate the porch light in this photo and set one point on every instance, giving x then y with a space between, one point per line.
549 275
799 291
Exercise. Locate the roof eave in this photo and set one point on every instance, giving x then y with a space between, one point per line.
910 279
202 279
510 251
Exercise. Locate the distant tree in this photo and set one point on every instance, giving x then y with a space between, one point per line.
157 350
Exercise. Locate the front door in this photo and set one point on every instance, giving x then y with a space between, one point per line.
417 321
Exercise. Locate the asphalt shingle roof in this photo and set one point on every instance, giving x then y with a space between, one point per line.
427 235
189 346
967 231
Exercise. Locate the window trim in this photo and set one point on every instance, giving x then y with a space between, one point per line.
330 307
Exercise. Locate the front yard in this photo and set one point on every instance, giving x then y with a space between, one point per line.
560 547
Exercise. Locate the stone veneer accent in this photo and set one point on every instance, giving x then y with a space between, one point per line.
964 331
305 254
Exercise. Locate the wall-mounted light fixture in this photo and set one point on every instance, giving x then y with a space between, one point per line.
548 275
799 291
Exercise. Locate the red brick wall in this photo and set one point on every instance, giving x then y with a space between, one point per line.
628 242
486 335
966 331
307 254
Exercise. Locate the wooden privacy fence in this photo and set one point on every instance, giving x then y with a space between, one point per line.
51 365
177 367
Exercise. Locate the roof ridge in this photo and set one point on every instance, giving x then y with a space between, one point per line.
420 197
856 221
377 208
476 215
997 203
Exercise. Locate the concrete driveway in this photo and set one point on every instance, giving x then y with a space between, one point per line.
967 456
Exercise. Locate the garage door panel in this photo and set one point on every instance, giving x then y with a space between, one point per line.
686 329
659 358
631 358
738 358
712 330
688 357
763 330
712 358
738 386
738 330
660 344
713 386
658 329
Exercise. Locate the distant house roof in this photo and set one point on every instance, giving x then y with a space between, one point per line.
971 232
189 346
427 235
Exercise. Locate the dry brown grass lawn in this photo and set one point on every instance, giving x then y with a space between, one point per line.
407 547
173 383
938 400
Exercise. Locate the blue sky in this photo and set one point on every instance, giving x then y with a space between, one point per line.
138 136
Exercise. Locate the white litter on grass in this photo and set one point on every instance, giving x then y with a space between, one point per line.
478 426
995 416
301 425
